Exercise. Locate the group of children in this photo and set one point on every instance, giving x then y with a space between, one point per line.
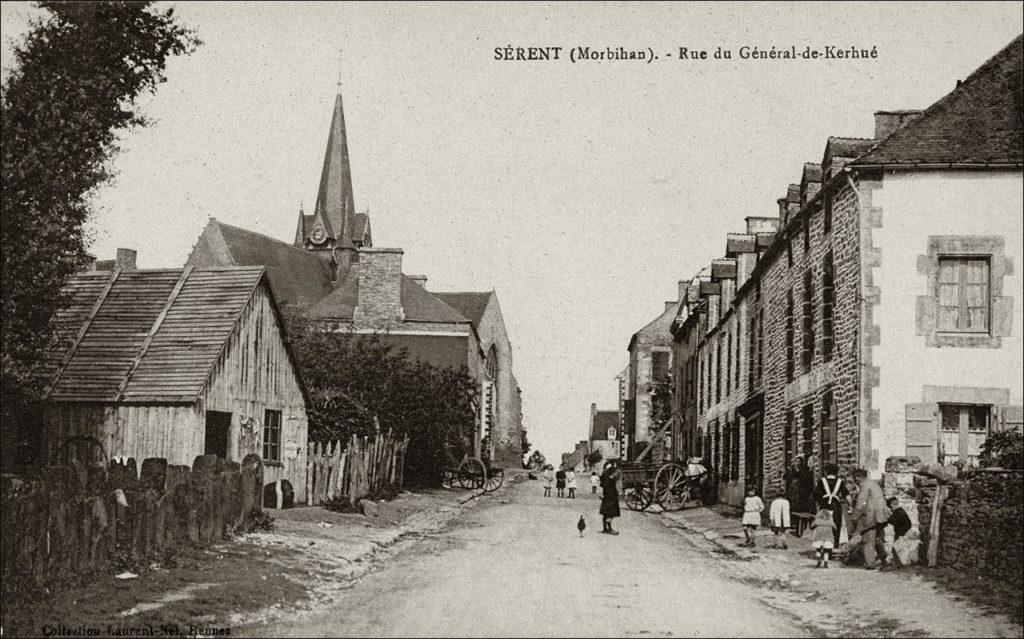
560 481
825 531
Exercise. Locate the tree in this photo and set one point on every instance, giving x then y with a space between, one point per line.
526 445
594 457
71 91
353 379
537 461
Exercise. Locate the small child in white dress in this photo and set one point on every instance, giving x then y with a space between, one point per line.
752 509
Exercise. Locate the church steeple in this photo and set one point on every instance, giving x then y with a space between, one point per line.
334 201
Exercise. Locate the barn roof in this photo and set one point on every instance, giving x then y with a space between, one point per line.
148 336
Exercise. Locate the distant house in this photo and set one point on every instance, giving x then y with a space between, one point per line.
604 432
177 363
650 361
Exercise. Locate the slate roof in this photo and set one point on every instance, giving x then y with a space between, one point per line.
297 276
603 420
980 121
148 336
418 304
470 305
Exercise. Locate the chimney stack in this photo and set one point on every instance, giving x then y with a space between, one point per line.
419 279
379 300
125 259
888 121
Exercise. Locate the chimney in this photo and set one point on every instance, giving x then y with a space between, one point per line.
125 259
593 411
419 279
888 121
762 224
379 300
682 286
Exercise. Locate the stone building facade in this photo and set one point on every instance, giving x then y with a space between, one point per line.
873 316
650 362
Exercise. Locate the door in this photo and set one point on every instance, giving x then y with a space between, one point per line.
217 426
753 434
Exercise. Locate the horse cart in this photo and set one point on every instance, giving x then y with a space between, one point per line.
673 485
473 473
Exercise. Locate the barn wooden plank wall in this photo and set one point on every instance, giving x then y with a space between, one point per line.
75 520
367 467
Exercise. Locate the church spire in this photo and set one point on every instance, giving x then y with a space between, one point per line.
334 201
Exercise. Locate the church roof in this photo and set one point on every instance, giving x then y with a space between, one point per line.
298 276
471 305
980 121
147 336
418 304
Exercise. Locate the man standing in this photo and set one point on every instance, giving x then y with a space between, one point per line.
869 514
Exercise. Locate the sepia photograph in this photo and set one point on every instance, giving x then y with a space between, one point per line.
512 319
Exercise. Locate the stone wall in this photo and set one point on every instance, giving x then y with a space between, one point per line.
982 524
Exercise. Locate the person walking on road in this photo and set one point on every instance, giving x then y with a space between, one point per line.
609 497
831 493
752 509
570 482
869 514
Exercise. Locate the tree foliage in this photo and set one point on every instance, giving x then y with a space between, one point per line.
354 378
536 461
71 91
526 445
1003 449
594 457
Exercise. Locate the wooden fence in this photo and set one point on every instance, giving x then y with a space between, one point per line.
367 467
86 518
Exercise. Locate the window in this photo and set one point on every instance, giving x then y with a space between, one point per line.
963 295
963 429
829 431
700 383
807 439
760 346
751 351
726 451
659 366
728 364
789 336
736 366
807 234
788 440
272 435
807 334
718 371
827 300
827 218
735 449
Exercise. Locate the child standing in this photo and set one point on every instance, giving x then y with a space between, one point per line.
560 482
594 481
549 480
752 509
823 528
570 482
778 514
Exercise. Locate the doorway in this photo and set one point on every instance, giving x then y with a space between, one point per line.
217 426
753 436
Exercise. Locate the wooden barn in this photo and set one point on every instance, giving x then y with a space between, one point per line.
175 364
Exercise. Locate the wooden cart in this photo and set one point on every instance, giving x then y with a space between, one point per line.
473 473
673 485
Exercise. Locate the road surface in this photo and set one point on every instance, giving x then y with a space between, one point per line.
516 565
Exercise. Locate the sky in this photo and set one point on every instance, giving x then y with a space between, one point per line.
580 192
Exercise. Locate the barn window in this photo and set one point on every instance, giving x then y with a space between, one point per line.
272 435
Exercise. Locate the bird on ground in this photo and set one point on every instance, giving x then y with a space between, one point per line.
581 525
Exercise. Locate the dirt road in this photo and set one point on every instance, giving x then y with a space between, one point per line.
521 568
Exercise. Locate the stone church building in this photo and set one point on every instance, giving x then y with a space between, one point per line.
332 273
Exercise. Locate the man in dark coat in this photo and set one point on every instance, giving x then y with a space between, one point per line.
610 496
831 492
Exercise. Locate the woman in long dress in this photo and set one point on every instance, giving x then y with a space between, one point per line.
610 496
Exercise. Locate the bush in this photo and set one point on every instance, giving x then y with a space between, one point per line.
1004 449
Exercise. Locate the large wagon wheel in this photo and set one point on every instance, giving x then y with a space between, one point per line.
494 480
472 473
639 497
671 487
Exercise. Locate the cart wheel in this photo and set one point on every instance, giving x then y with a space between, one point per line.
472 473
494 480
639 497
671 488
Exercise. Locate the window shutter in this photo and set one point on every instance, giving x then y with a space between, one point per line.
921 431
